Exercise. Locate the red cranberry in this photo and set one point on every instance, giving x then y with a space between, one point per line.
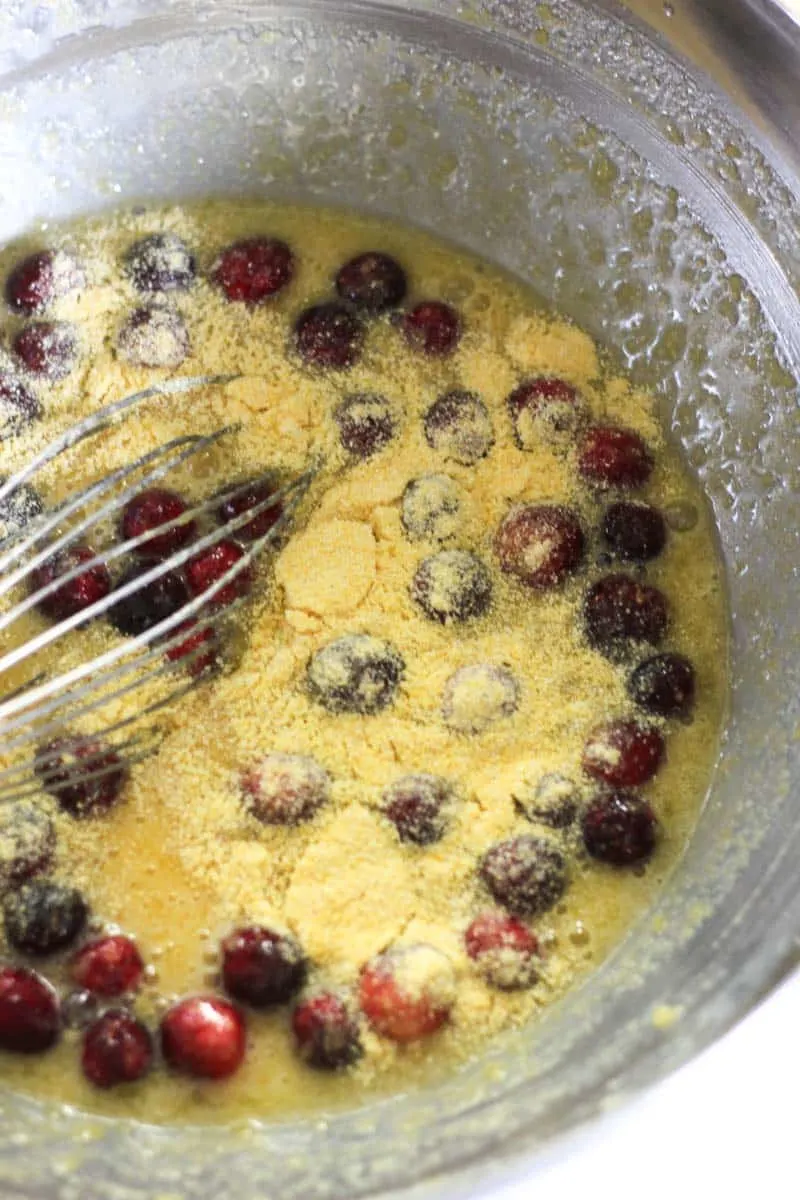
541 544
664 685
27 843
161 262
433 328
208 567
249 495
373 282
611 457
109 966
149 604
618 611
526 874
18 406
29 1012
18 509
620 829
154 337
200 648
148 510
47 349
414 805
458 425
407 993
543 402
453 585
84 775
366 424
635 532
76 595
262 968
504 949
356 673
328 335
204 1036
623 753
38 280
431 507
254 269
116 1049
325 1032
43 917
285 789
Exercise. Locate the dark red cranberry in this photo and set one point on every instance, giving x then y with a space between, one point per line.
433 328
415 804
29 1012
116 1049
431 507
619 828
541 544
612 457
543 402
664 685
18 406
356 673
204 1036
249 495
285 789
325 1032
18 509
618 610
328 335
27 843
161 262
504 950
554 802
148 510
623 753
200 647
407 993
453 585
635 532
373 282
254 269
84 775
526 874
154 337
148 605
458 425
76 595
42 916
108 966
47 349
262 968
41 278
366 424
209 567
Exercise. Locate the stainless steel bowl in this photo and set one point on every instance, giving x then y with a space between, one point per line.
654 200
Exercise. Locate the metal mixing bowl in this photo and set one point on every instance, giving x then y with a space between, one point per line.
559 140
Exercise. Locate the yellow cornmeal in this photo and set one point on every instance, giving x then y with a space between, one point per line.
179 861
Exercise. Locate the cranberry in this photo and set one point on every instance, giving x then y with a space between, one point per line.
161 262
623 753
76 595
211 564
541 544
554 802
147 511
478 696
38 280
620 829
366 424
414 805
328 335
356 673
617 611
29 1012
109 966
433 328
148 605
407 993
285 789
84 775
204 1036
430 508
254 269
664 685
504 949
116 1049
42 916
47 349
542 403
325 1032
200 648
18 509
247 496
18 406
611 457
453 585
154 337
635 532
373 282
458 425
262 968
526 874
27 843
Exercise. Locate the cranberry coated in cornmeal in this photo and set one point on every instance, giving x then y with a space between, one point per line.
504 950
262 968
328 336
46 349
43 917
116 1049
204 1036
108 966
85 775
623 753
619 611
453 585
664 685
252 270
75 595
619 828
612 457
41 278
432 327
149 510
407 994
366 424
546 402
285 789
414 804
29 1012
372 282
526 874
161 262
19 407
459 426
540 544
27 842
634 532
355 673
326 1033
